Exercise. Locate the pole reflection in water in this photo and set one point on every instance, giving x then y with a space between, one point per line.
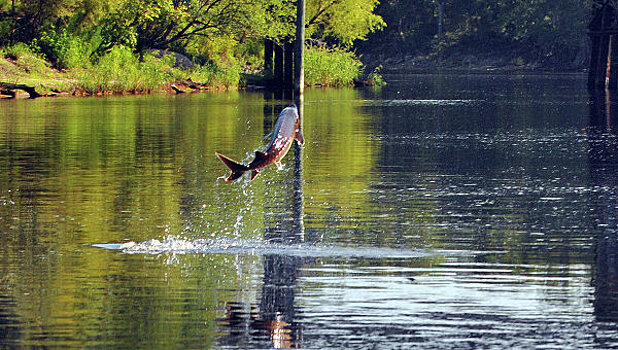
284 224
9 331
276 315
603 161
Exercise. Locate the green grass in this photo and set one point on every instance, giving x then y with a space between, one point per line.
213 75
19 64
330 67
27 60
122 71
119 71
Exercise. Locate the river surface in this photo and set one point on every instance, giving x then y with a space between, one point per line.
443 211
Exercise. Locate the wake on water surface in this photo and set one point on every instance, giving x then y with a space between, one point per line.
179 245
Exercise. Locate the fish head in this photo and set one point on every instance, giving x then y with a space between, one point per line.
290 111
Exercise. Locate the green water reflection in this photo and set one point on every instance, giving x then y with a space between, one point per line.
482 172
83 171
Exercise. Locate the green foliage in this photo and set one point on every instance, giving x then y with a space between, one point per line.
157 71
540 30
330 67
26 59
18 50
115 71
104 43
553 27
74 55
278 17
158 24
375 78
6 27
215 48
114 31
250 52
32 64
343 20
63 49
52 43
120 70
213 75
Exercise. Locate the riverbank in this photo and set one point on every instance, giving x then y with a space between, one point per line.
464 58
52 82
121 71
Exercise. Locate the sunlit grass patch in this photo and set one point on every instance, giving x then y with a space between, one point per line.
213 75
330 67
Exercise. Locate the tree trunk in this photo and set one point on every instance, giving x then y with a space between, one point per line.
601 75
299 55
440 18
278 81
612 65
288 72
7 87
595 41
268 60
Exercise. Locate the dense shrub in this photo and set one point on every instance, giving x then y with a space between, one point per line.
330 67
214 75
120 70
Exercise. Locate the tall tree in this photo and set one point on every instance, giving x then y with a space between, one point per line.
157 24
545 29
343 20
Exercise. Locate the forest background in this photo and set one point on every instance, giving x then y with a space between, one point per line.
117 46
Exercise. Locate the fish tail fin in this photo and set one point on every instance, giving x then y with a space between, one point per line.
236 168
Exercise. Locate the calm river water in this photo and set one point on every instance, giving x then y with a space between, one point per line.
442 211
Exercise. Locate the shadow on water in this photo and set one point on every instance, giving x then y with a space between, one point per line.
276 317
603 161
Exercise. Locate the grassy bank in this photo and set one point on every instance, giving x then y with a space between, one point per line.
121 71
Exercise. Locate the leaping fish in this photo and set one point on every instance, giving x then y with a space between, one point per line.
287 128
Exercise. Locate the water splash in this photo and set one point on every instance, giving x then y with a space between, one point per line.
178 245
421 102
244 184
245 195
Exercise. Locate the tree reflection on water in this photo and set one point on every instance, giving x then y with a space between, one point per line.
603 161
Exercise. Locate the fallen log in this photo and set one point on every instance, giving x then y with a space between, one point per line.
6 89
178 91
10 93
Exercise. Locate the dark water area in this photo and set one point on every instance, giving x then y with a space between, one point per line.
441 211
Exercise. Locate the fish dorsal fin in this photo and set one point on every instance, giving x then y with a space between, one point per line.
259 155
